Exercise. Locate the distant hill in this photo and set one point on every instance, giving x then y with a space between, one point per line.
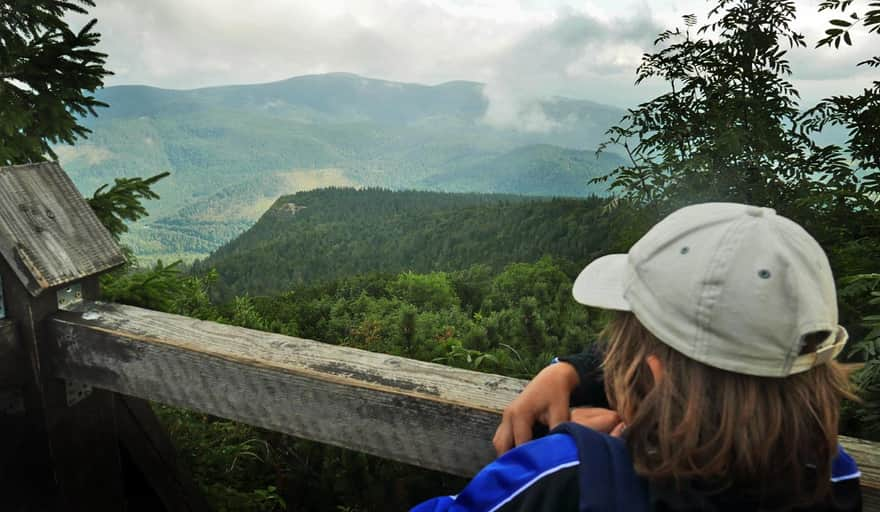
329 233
233 150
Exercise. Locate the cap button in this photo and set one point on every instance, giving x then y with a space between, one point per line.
755 211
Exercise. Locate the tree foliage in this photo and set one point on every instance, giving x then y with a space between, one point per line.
728 129
123 202
731 128
865 288
343 232
859 114
47 74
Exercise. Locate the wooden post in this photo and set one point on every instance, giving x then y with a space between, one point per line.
56 455
64 436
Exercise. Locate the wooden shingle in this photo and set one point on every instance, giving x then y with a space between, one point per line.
48 233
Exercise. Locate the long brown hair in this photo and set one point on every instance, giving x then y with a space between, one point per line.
769 437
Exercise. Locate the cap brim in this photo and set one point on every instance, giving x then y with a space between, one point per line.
602 283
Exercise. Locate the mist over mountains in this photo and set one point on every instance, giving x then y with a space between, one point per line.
233 150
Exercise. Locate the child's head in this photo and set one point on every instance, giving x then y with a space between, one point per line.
700 422
721 360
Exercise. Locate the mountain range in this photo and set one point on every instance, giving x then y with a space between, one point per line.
233 150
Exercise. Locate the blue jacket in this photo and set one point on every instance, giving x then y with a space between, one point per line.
578 469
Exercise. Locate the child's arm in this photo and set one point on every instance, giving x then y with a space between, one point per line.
591 385
545 400
574 381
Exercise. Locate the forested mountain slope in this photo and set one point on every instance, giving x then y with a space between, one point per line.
233 150
329 233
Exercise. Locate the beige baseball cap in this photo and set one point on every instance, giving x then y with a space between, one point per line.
733 286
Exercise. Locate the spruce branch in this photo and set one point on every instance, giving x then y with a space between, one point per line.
124 202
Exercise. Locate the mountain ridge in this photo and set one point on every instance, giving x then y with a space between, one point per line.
340 74
324 234
373 133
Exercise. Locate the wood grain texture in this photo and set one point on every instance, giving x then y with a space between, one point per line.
425 414
420 413
48 233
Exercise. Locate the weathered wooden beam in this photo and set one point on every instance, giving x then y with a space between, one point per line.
420 413
55 454
424 414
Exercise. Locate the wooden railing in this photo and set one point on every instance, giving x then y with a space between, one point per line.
425 414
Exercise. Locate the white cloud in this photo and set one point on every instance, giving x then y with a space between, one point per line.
567 56
522 49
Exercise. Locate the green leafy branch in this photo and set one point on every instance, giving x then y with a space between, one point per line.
868 348
123 202
840 28
457 354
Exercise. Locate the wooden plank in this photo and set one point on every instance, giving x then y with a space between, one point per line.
420 413
48 233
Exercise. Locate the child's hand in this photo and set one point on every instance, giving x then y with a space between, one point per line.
598 419
544 400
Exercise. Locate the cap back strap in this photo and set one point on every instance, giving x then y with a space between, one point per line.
824 353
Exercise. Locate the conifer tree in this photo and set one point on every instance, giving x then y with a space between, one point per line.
48 75
48 72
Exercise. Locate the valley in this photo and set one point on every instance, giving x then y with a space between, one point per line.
233 150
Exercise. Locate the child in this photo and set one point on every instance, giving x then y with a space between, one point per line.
720 376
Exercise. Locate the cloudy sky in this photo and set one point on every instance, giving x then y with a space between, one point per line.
521 49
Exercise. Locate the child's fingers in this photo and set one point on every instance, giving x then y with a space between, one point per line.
522 430
503 439
618 430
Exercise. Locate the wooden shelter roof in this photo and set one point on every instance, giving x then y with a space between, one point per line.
48 233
